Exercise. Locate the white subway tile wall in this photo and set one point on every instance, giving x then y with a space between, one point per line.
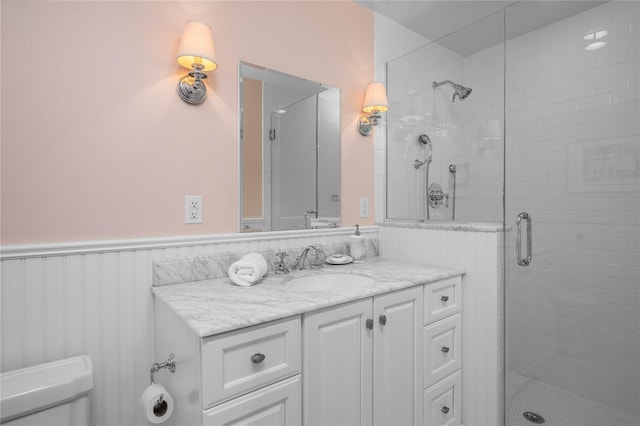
466 133
573 162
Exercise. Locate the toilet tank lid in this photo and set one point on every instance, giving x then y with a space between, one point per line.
41 386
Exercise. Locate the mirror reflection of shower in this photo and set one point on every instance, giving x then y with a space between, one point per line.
458 90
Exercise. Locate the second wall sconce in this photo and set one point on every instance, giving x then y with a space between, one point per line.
375 102
195 52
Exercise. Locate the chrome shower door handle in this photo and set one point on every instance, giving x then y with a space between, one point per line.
527 260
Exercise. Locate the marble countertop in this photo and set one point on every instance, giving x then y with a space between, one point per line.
215 306
449 226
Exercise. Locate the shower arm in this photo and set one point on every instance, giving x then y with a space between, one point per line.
443 82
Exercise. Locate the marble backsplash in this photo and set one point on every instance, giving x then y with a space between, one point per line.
211 266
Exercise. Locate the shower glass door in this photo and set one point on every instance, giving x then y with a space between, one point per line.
572 313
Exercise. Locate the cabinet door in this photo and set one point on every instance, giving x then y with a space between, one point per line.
337 366
398 358
275 405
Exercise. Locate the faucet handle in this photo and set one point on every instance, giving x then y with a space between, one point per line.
318 257
281 264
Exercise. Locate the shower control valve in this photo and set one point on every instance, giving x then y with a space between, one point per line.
437 197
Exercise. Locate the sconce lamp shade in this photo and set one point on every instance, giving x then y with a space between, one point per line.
375 98
196 47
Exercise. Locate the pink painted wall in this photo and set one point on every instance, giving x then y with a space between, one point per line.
96 143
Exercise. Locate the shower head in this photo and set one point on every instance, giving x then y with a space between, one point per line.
458 90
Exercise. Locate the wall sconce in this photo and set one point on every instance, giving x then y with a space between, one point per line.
195 52
375 102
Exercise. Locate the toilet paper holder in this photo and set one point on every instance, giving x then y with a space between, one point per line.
169 364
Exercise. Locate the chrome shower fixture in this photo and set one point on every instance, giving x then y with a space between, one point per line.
424 139
417 164
460 91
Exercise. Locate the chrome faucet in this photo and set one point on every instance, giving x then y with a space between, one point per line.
316 258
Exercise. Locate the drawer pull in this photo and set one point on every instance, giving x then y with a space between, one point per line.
445 349
257 358
370 324
383 319
445 410
444 298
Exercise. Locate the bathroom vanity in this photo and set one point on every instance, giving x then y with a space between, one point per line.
282 352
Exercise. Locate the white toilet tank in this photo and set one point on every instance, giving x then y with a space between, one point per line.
52 394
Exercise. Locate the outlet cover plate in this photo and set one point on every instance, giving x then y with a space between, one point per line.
364 207
193 209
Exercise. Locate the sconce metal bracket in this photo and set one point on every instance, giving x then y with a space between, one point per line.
192 89
365 126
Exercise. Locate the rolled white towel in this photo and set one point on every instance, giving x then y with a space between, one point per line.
248 270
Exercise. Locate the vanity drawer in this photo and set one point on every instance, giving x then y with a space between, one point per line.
275 405
442 298
240 361
442 402
442 349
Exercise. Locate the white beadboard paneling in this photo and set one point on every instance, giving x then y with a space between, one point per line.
94 298
477 253
13 325
75 330
33 302
126 338
570 310
109 334
92 269
55 308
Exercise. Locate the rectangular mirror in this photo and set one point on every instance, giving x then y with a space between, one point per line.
289 152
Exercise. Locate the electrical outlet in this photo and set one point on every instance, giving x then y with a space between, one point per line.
364 207
192 209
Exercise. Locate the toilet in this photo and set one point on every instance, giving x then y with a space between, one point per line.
55 393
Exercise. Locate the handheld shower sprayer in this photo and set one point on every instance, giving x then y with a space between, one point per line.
453 169
458 90
426 140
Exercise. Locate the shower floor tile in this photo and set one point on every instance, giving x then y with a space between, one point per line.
558 407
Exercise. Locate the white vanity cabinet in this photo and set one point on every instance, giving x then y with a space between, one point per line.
363 362
443 353
391 359
249 376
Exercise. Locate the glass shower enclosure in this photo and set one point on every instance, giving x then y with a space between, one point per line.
547 142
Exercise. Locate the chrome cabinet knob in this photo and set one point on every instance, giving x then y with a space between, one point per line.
445 410
258 358
445 349
370 324
444 298
383 319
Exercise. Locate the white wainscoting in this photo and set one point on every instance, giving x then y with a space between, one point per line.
480 255
61 300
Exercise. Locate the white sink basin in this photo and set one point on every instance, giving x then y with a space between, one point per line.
330 282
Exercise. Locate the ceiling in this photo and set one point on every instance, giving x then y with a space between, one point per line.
436 19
